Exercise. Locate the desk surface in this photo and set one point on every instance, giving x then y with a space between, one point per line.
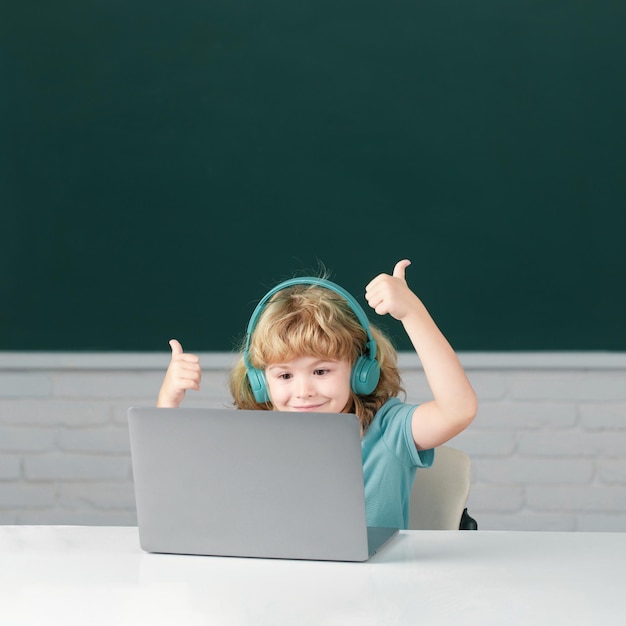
96 575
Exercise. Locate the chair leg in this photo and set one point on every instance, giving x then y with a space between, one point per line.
467 522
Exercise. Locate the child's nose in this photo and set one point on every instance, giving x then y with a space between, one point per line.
305 388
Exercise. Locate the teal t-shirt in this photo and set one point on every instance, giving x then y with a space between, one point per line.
390 459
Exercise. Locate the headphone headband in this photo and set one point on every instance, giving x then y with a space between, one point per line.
320 282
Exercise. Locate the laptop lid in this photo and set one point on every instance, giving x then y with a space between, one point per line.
250 483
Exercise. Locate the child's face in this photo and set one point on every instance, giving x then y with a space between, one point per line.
309 384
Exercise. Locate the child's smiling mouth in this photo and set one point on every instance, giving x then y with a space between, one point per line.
308 407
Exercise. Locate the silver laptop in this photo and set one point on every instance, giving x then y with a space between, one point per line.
265 484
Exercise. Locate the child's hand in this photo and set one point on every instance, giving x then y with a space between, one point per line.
182 374
391 294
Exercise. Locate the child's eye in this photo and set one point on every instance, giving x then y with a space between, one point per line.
321 372
284 376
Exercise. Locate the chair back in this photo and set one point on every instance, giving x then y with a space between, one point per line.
440 493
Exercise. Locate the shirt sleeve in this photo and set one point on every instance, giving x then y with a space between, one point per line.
398 435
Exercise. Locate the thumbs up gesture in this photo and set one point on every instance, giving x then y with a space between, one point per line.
391 294
183 373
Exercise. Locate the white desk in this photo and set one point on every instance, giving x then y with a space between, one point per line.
94 575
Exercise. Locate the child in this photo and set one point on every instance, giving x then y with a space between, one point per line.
308 346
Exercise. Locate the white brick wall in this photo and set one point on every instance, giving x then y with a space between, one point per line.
548 446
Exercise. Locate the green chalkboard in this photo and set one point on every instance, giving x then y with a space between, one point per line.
163 164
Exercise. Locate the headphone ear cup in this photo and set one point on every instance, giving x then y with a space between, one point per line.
256 378
365 375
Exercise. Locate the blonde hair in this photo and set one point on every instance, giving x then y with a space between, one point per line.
309 320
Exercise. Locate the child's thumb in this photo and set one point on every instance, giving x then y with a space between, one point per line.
176 347
398 270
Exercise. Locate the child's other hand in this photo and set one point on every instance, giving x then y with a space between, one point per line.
183 373
391 294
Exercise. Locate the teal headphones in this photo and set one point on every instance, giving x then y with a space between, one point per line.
366 369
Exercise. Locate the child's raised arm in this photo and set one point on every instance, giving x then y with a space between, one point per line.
455 404
183 373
